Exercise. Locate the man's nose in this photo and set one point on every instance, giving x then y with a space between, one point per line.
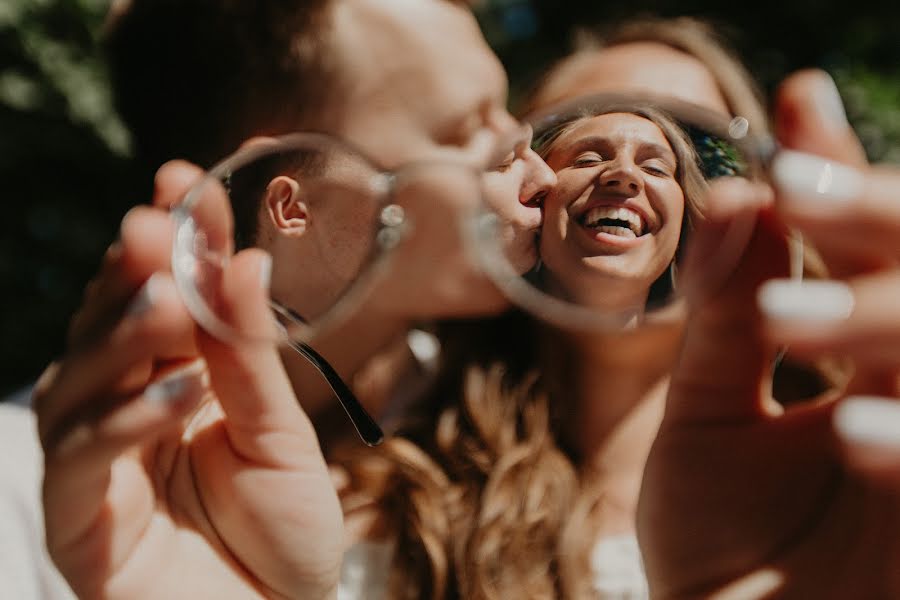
539 179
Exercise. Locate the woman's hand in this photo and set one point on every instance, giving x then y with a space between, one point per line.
178 465
747 500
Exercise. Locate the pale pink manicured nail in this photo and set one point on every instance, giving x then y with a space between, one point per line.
807 301
869 420
828 103
174 385
265 271
809 181
144 298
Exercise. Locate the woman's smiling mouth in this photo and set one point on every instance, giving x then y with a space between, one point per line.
619 221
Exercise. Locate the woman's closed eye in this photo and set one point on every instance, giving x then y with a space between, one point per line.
505 163
658 168
587 159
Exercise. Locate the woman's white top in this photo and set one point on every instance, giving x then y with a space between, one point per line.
616 562
26 572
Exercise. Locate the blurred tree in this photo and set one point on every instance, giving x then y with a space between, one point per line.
859 46
63 163
872 99
64 158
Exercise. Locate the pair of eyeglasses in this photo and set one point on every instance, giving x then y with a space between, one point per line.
335 221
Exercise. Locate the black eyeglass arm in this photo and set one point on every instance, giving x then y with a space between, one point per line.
362 421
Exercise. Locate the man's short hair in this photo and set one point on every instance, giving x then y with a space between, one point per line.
195 78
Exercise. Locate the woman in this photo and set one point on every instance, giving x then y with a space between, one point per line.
686 59
614 221
494 488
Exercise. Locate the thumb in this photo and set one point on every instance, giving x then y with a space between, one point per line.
818 193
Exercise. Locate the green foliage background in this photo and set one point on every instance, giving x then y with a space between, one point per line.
64 155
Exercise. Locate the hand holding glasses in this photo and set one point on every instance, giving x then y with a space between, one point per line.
335 222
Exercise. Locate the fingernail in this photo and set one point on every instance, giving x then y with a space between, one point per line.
425 347
174 385
126 217
145 297
828 103
805 179
265 271
808 301
869 420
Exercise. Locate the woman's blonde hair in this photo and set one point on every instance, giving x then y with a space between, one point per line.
480 497
484 499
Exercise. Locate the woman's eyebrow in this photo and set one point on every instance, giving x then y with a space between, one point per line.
589 142
601 142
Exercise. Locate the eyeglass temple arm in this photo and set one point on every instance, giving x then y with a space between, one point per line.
365 425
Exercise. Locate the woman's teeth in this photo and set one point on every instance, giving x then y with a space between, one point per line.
619 221
615 230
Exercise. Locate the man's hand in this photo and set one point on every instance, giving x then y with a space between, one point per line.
178 465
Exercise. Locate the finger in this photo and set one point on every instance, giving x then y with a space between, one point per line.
716 247
868 429
858 318
156 327
263 418
172 182
723 358
810 117
77 470
848 213
144 248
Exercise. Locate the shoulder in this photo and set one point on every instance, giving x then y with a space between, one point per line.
618 568
366 570
369 548
26 571
21 457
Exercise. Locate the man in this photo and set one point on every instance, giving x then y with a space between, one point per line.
146 498
227 75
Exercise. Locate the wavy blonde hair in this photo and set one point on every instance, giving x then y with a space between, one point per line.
481 497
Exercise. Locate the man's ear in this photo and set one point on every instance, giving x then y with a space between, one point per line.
285 207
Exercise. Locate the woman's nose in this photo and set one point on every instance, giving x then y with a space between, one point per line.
539 179
622 176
